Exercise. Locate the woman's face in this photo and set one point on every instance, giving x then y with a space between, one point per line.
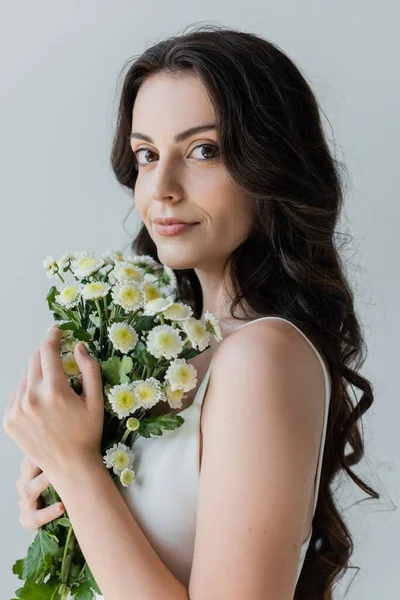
185 179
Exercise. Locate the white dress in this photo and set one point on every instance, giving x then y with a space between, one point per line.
163 496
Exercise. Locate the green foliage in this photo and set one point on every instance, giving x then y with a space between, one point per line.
115 370
154 425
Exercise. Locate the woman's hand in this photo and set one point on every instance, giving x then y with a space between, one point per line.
53 425
30 485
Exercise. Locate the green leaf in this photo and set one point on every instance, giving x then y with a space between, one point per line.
33 591
91 579
51 296
110 370
65 522
154 425
68 326
18 567
84 592
82 335
42 544
125 368
115 370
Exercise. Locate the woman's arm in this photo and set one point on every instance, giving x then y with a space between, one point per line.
122 560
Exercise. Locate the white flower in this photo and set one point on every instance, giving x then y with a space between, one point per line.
197 333
123 400
173 397
128 295
125 271
157 305
64 261
85 264
69 295
112 257
148 392
95 290
181 375
51 266
214 325
170 273
178 312
123 337
126 477
68 343
150 277
119 457
144 261
150 291
164 341
70 366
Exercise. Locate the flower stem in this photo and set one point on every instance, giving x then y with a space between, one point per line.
101 323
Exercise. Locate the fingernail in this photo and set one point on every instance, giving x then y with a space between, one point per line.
61 507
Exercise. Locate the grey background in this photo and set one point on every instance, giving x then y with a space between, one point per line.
59 66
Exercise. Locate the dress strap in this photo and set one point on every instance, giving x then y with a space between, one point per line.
203 386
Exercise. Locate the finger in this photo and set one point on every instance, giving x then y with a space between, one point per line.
35 374
34 518
52 367
34 487
28 468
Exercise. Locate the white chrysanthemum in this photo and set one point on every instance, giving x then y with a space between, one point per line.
214 325
169 278
127 476
123 337
144 261
68 343
95 319
148 392
125 271
69 295
173 397
150 277
95 290
118 458
178 312
123 399
150 291
181 375
157 305
70 366
85 264
128 295
112 257
164 341
51 266
196 332
64 261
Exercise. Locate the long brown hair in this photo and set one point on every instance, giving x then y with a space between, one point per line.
273 145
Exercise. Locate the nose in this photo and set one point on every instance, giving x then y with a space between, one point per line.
166 184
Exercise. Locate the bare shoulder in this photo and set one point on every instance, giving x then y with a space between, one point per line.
261 439
271 347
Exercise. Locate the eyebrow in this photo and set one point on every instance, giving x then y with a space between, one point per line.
179 137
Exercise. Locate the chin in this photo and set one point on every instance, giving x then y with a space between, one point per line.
178 261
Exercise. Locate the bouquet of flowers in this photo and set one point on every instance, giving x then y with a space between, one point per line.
127 314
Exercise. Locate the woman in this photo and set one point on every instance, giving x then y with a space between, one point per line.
218 128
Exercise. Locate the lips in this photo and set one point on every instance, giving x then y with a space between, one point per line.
174 228
172 221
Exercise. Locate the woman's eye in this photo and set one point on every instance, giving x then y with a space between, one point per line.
209 148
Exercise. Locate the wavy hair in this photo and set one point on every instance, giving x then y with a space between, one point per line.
273 145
